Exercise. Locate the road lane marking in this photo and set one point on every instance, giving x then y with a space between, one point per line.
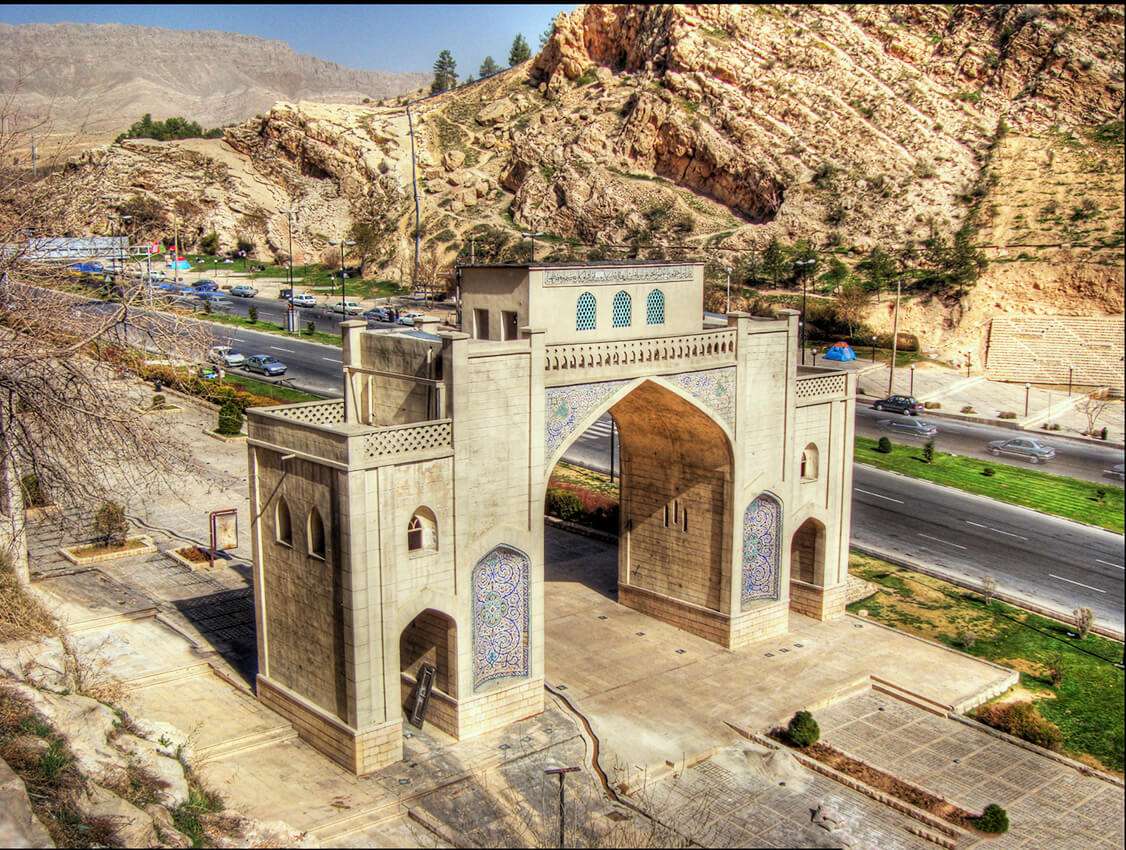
331 359
1069 581
878 496
940 540
1109 564
287 350
997 530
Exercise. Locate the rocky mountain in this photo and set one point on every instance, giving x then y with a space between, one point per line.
706 131
97 79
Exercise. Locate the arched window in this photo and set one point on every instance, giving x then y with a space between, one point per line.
655 308
422 531
283 528
586 313
623 310
316 534
810 459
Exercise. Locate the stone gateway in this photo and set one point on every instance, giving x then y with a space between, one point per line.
403 526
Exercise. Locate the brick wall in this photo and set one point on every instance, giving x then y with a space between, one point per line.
430 638
498 708
821 603
441 712
758 621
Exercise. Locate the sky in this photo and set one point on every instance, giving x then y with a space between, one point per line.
377 38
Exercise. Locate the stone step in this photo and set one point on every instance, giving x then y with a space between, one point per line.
245 744
114 619
163 677
911 697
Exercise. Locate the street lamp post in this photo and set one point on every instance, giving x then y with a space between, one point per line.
342 243
1027 389
728 270
911 392
803 265
291 312
1070 373
533 236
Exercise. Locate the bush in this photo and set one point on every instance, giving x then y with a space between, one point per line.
1104 433
252 314
884 446
33 493
246 245
994 820
1022 720
966 639
969 408
230 419
803 730
989 472
564 504
1084 618
932 405
209 243
158 401
928 451
310 328
110 525
1007 414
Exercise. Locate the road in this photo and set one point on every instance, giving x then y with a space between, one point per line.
1052 561
1078 459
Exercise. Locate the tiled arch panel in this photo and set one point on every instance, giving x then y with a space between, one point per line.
762 548
501 616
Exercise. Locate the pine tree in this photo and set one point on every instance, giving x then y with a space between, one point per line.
774 261
488 68
445 73
520 51
546 35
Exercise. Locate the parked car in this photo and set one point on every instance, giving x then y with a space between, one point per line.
169 286
265 364
377 314
304 300
225 356
347 307
206 286
215 299
900 404
408 317
909 427
243 290
1024 447
284 293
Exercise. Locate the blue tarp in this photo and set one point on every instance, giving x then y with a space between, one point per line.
180 265
840 351
88 268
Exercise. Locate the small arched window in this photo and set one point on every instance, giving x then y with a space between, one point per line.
283 527
809 462
316 534
422 531
623 310
586 312
655 308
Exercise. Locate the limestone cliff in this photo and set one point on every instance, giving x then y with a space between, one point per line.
713 128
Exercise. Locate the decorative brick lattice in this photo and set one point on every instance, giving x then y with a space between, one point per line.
318 413
715 389
567 406
586 312
705 348
655 308
623 310
762 548
405 439
500 616
821 386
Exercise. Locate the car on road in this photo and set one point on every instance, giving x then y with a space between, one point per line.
907 404
347 307
265 364
377 314
206 286
1117 471
304 300
243 290
215 299
409 317
225 356
1023 447
909 427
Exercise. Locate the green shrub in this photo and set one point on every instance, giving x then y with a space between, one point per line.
994 820
969 408
803 730
1007 414
928 451
1104 433
158 401
310 328
884 446
209 243
110 524
989 472
1022 720
252 314
230 419
33 493
564 504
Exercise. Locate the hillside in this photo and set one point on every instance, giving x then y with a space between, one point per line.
97 79
706 130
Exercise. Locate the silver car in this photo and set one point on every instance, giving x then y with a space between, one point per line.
225 356
909 427
1024 447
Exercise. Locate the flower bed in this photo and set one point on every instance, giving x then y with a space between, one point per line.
94 553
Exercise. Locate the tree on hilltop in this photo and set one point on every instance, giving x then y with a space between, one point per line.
520 51
488 68
445 73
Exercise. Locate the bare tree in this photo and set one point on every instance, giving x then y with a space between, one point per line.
852 303
1084 619
1093 407
988 588
376 216
66 347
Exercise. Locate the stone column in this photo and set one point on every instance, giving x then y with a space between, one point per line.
350 355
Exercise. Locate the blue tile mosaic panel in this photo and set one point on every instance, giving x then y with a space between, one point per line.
762 548
500 616
714 388
567 406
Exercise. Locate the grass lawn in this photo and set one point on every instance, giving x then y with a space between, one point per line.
308 277
264 388
1087 705
1042 491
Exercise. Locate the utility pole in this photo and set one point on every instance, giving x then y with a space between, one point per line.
533 236
414 185
560 772
803 265
728 270
291 312
894 334
175 249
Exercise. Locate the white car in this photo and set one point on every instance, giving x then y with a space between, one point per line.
348 307
224 355
409 317
304 300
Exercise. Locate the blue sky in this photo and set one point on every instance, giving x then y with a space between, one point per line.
383 38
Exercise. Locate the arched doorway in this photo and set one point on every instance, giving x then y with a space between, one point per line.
807 553
431 638
674 472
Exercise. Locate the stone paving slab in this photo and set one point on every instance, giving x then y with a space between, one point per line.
1049 803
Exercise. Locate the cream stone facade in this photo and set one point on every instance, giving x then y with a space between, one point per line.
404 524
